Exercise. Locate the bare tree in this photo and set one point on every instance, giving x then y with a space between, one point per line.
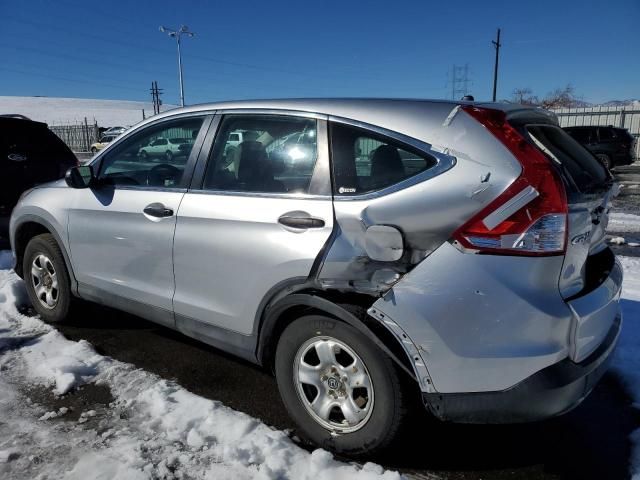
524 96
563 98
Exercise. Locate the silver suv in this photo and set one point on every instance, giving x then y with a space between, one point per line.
451 251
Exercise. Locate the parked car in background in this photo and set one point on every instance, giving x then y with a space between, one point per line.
114 131
30 154
103 142
435 253
166 148
612 146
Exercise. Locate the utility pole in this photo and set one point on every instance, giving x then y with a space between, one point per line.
497 45
183 30
155 97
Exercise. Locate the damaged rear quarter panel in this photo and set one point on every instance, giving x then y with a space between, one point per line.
425 212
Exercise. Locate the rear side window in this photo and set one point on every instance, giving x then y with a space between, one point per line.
365 161
606 134
582 135
583 168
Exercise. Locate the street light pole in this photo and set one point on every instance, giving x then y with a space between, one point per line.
177 34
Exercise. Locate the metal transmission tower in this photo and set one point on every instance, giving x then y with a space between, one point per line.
155 97
459 81
183 30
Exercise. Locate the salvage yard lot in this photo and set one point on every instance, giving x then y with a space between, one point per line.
140 401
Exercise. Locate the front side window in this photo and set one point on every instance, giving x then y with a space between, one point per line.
606 134
276 154
150 158
364 161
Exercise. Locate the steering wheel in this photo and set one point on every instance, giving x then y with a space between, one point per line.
163 175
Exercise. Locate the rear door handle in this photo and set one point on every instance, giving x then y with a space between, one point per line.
158 210
300 220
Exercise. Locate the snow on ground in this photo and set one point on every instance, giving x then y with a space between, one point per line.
156 429
624 222
153 428
63 111
626 361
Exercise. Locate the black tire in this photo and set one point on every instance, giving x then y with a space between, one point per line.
168 155
390 393
605 160
46 245
144 154
94 150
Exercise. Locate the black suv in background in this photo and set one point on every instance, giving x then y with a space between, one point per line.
613 146
30 154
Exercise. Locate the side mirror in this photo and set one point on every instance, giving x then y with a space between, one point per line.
80 176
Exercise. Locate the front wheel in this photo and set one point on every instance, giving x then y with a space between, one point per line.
344 393
47 278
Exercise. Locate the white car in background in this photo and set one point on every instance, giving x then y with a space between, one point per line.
166 147
114 131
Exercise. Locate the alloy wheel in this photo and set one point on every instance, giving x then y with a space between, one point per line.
45 281
333 384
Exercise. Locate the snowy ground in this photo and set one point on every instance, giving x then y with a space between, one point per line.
153 428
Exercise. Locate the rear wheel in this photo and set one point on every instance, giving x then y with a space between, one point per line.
168 155
604 160
94 149
344 393
47 278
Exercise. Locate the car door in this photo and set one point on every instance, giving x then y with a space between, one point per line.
121 229
254 221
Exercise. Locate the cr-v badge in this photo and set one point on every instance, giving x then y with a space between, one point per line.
582 238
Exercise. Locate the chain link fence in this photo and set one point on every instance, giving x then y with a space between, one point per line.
78 137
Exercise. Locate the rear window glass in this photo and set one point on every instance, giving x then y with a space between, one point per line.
622 133
364 161
583 168
607 134
582 135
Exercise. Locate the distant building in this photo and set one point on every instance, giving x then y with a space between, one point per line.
70 111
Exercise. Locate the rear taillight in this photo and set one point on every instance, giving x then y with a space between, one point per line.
530 216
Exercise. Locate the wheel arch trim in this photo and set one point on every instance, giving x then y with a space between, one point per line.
269 326
29 218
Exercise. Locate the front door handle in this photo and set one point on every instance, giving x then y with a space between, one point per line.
300 220
158 210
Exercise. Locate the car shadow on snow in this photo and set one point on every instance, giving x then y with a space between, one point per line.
589 442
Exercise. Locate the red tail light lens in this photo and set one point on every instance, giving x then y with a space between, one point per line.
530 216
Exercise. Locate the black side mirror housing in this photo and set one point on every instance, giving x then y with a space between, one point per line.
81 176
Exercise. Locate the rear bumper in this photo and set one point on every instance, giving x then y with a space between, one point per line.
548 393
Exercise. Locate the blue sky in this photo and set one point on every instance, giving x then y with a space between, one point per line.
247 49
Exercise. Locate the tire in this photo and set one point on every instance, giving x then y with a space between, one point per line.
605 160
50 293
94 150
144 154
381 407
168 155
